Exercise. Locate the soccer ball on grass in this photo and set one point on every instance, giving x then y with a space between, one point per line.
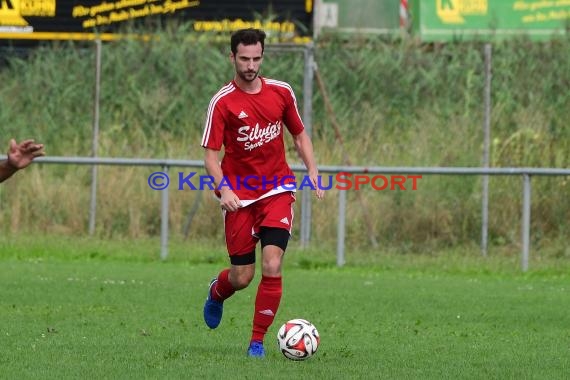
298 339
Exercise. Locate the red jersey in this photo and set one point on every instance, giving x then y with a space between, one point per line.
250 128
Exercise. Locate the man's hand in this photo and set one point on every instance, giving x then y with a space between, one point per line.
320 193
21 155
229 200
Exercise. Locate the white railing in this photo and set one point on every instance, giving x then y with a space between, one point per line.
166 164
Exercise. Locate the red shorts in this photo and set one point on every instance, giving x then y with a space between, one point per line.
242 226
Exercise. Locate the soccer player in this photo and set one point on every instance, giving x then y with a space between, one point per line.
19 156
248 117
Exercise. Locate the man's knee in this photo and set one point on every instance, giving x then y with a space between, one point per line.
242 270
241 280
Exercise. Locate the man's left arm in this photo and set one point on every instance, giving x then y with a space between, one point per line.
304 147
6 170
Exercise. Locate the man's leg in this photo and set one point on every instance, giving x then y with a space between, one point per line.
239 239
274 242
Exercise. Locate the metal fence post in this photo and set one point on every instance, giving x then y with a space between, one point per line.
95 143
525 222
486 150
307 120
164 220
340 261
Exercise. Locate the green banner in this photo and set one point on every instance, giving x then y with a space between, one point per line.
437 20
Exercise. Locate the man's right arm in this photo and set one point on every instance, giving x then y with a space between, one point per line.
212 164
228 199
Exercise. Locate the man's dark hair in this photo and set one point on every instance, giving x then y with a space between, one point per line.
247 37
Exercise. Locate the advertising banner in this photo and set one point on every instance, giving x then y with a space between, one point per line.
291 20
441 20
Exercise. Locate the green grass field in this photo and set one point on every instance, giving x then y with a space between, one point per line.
80 308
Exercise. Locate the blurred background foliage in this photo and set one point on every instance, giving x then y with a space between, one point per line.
398 102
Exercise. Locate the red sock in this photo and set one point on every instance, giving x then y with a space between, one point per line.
223 289
266 305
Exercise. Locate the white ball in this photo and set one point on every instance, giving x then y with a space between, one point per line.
298 339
